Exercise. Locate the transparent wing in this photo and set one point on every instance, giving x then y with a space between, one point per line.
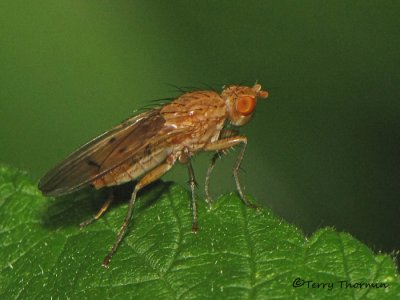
104 153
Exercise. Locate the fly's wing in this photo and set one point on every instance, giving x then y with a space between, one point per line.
104 153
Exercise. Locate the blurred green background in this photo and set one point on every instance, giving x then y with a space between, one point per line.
324 149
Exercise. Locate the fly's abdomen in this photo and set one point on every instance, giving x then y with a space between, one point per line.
134 167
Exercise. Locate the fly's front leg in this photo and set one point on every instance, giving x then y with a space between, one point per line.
185 158
225 133
228 143
102 210
150 177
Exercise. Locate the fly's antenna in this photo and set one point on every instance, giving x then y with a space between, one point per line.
258 89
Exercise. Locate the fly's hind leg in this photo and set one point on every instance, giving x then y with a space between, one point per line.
192 182
228 143
185 158
208 175
102 210
150 177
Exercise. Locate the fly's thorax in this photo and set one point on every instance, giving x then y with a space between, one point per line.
241 102
199 116
194 106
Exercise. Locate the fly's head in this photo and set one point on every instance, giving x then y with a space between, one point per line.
241 102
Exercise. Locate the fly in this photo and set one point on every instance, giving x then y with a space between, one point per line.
146 146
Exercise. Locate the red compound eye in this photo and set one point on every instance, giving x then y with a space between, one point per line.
245 105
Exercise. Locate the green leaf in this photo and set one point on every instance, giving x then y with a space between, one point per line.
239 252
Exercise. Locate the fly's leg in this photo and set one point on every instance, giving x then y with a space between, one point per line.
228 143
150 177
236 175
226 133
207 181
102 210
192 182
185 158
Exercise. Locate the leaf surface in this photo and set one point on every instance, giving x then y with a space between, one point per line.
239 252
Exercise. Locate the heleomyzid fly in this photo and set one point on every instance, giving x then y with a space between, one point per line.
146 146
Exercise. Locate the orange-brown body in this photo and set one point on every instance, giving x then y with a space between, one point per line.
200 116
146 146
